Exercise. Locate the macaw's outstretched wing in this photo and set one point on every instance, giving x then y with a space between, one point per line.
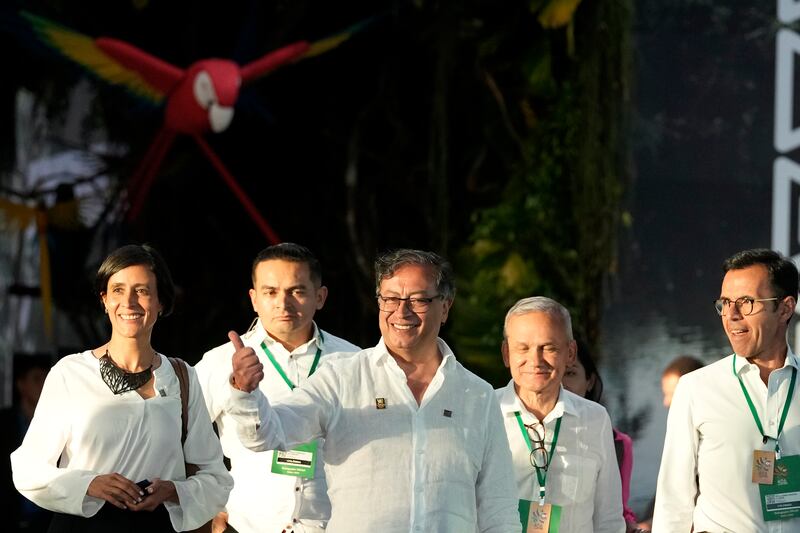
299 50
269 62
113 61
329 43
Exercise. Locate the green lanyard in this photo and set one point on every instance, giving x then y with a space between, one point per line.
541 473
755 413
280 370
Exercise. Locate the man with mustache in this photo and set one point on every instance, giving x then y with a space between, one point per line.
413 440
730 460
271 492
563 447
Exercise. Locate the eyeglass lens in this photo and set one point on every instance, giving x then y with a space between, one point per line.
744 305
536 433
539 457
390 303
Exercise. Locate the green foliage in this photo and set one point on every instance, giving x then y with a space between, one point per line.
553 229
461 126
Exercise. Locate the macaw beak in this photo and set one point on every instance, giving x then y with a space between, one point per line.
219 117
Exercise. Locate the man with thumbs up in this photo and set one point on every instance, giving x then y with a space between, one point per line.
275 491
413 441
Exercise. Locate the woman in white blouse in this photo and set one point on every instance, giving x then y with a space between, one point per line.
104 447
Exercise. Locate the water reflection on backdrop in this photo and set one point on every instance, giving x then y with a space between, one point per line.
636 349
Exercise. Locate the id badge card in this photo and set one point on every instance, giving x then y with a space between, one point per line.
299 461
781 499
537 518
763 466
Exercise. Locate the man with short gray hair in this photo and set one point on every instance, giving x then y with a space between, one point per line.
413 442
562 445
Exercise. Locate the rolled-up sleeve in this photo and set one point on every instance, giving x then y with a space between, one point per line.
303 417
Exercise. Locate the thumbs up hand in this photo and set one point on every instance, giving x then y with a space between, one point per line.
247 369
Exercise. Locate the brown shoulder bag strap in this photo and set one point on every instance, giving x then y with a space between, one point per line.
183 377
179 365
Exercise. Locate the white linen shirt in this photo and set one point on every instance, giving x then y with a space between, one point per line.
260 500
392 465
95 432
583 477
711 435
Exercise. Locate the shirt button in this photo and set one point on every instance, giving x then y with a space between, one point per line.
420 451
297 489
771 422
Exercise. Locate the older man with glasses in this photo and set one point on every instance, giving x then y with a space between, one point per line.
413 442
731 458
563 448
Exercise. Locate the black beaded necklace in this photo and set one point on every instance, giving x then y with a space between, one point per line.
120 381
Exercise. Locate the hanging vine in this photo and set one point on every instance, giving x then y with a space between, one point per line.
552 230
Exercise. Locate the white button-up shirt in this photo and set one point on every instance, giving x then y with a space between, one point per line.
392 465
583 477
262 501
95 431
711 436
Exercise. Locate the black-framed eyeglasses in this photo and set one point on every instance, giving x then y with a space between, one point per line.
390 304
539 457
745 304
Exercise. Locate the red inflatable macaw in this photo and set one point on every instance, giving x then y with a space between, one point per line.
198 99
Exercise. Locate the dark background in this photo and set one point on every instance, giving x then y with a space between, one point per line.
431 109
698 186
703 153
288 146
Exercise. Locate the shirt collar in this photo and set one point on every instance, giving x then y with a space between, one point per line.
569 400
510 403
380 353
791 361
259 333
791 358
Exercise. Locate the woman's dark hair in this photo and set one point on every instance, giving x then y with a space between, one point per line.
136 254
587 362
